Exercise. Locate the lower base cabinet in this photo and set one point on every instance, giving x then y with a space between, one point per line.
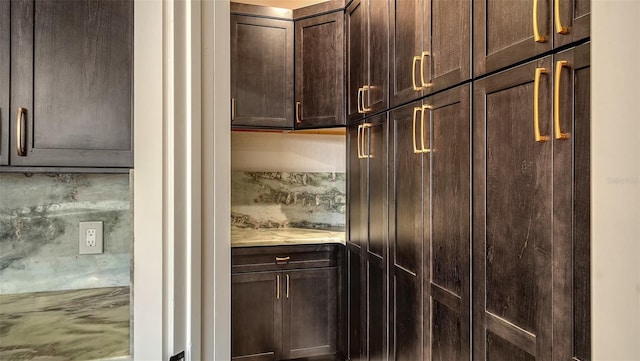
285 306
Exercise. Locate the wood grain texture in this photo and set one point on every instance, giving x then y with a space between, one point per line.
355 37
357 185
5 69
320 70
356 304
576 16
376 308
78 100
376 58
378 202
406 25
319 9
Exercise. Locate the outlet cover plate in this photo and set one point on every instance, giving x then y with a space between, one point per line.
85 229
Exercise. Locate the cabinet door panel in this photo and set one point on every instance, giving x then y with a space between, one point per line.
355 303
319 71
503 32
377 308
262 72
355 18
575 15
406 24
358 185
513 182
72 72
407 316
310 317
376 149
5 69
256 311
377 51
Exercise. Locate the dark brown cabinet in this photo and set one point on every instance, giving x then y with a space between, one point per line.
531 214
508 32
367 37
261 72
319 56
430 47
71 83
285 302
5 69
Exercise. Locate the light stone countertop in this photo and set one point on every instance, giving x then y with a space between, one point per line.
248 237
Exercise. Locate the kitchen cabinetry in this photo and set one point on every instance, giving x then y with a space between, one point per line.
319 60
261 72
367 36
531 214
5 69
285 302
430 47
71 83
507 32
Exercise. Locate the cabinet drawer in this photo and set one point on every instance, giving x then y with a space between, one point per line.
270 258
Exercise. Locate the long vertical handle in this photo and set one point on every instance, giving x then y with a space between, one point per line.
365 89
287 291
536 32
425 109
359 99
422 62
413 129
298 120
233 109
19 132
413 72
277 287
559 28
365 126
358 140
556 100
536 106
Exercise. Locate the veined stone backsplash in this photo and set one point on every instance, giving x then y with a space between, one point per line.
288 200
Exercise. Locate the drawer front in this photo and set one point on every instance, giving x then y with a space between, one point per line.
273 258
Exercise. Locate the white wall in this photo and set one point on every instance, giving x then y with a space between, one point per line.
287 152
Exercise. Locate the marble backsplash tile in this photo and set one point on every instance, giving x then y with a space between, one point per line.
310 200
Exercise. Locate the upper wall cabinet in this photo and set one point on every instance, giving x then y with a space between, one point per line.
4 81
507 32
71 82
320 71
367 32
430 47
261 72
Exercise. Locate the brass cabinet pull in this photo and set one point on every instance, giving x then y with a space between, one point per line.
283 259
287 291
422 62
360 103
413 129
425 109
358 142
19 130
559 28
364 108
413 72
556 100
536 106
536 32
365 155
233 109
277 287
298 120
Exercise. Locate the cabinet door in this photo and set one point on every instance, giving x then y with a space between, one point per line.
447 255
409 195
513 215
358 186
504 32
355 20
261 72
71 72
376 84
572 21
406 26
5 69
571 206
309 317
256 314
355 304
320 71
447 39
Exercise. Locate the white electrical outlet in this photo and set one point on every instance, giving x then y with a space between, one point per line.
90 240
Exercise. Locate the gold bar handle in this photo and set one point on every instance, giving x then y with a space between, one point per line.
360 103
298 120
422 62
366 126
277 287
559 28
413 72
365 89
358 142
283 259
556 100
413 129
536 106
425 109
233 109
287 291
536 32
19 132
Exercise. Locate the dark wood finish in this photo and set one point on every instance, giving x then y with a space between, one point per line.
256 313
512 216
503 33
71 69
320 71
358 210
356 42
261 11
310 313
571 206
356 304
261 72
318 9
441 28
5 69
263 258
576 15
